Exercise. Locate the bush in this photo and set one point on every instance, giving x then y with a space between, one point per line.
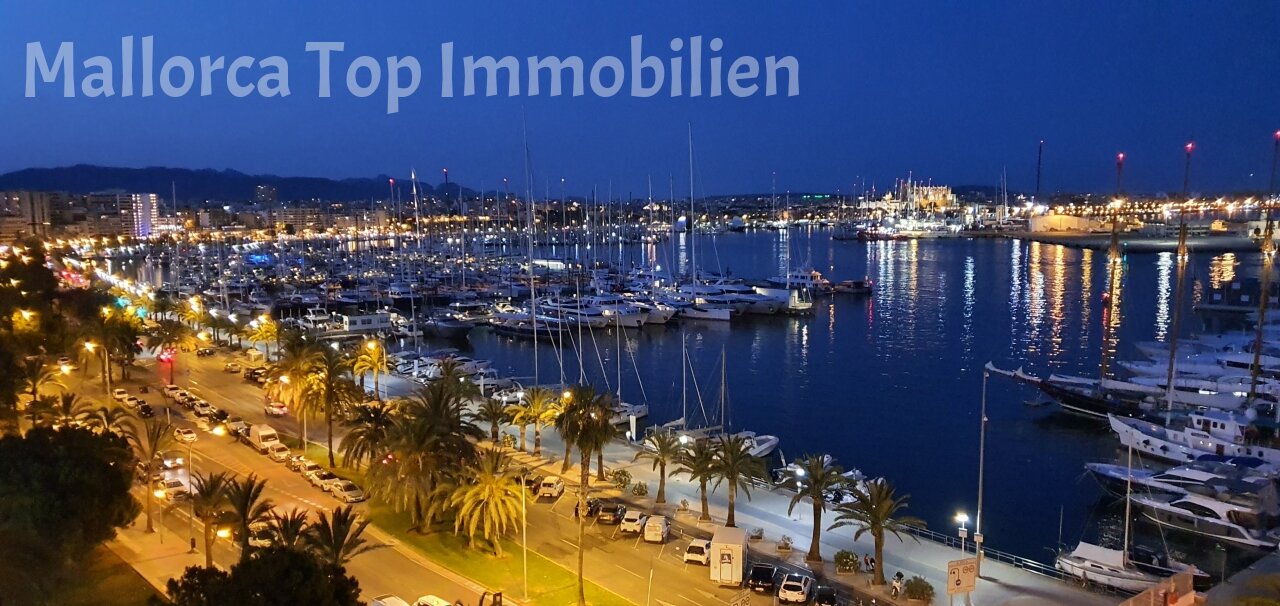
919 589
640 489
848 561
621 478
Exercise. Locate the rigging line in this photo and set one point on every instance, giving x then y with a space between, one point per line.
639 381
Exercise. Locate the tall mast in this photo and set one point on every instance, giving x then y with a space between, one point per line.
689 225
1264 299
533 297
1128 505
1177 308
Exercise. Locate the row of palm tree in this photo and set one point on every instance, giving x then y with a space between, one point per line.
219 498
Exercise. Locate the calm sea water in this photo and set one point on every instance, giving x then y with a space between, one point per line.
892 384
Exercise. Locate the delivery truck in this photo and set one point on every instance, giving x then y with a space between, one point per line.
728 556
262 436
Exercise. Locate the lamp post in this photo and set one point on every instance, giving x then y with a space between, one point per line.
962 519
191 519
982 463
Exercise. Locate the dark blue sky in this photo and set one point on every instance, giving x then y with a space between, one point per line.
953 91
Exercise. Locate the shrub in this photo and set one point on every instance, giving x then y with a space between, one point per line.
848 561
640 489
621 478
919 589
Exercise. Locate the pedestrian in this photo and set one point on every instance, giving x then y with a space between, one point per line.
872 568
866 562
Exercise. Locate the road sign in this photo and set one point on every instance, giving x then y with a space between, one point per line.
742 599
962 575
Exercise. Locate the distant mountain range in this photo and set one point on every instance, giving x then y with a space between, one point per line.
232 186
204 184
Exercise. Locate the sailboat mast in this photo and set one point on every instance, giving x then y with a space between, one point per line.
1264 300
689 225
1128 507
533 297
1177 307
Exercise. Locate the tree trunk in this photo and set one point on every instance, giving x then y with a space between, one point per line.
537 439
208 544
815 548
706 509
568 452
377 391
733 493
879 565
582 524
662 483
493 433
328 418
600 464
151 497
523 430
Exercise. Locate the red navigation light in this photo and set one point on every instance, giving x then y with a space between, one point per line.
1190 146
1120 157
1278 135
393 181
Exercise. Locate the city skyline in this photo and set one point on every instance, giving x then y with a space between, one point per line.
949 94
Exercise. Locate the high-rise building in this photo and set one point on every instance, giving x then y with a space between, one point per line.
138 213
24 214
264 195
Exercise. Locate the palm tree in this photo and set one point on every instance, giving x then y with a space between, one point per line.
875 510
40 410
171 334
290 529
68 408
37 376
164 308
328 384
661 448
121 340
107 419
544 408
814 477
428 444
521 415
586 417
367 437
150 441
246 501
699 463
264 331
735 465
492 412
486 504
210 504
372 358
336 539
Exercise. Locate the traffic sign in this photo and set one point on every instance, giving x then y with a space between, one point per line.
962 575
742 599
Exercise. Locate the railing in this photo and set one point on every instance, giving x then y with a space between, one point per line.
969 546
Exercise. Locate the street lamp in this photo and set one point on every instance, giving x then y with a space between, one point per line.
962 519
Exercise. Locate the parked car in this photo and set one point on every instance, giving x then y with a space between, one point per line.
68 362
260 535
186 398
322 478
593 507
825 596
275 409
119 394
533 482
172 459
633 521
219 415
184 435
171 391
761 578
430 600
795 589
698 552
611 513
236 425
133 402
551 487
278 452
656 529
231 367
145 411
307 468
204 352
203 409
295 462
347 491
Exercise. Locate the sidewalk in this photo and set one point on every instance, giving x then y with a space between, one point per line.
1000 584
157 556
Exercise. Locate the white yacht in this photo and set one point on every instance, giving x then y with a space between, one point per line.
1212 432
758 445
1247 524
622 412
618 310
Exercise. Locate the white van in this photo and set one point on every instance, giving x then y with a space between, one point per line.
388 600
656 529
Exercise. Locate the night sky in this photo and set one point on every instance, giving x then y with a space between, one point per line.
952 91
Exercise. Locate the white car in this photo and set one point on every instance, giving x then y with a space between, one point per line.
698 552
347 491
275 409
551 487
511 395
430 600
203 409
795 588
237 426
260 535
119 394
232 367
172 489
278 452
656 529
68 362
185 435
322 479
133 402
633 521
171 391
306 468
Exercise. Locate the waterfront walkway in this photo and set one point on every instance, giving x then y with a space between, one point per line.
1001 583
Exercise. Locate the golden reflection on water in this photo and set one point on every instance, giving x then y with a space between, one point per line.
1222 269
1057 303
1035 295
1086 294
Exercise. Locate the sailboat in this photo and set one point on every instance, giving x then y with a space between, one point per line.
758 445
